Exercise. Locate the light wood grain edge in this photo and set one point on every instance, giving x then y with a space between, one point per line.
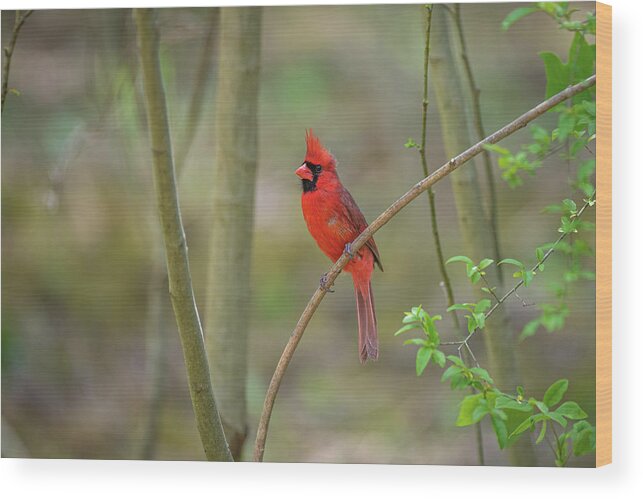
604 234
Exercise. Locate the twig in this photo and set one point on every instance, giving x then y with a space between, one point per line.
425 168
493 293
377 224
176 252
471 353
477 120
8 53
524 303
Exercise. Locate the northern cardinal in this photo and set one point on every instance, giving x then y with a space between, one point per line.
334 220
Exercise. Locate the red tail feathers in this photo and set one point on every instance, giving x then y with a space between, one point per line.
367 323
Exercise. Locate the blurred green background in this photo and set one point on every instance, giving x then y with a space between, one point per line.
79 234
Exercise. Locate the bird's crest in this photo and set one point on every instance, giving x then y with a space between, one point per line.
316 153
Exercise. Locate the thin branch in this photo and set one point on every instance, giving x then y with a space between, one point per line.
522 281
200 85
471 353
522 300
425 168
157 333
491 289
176 252
8 53
480 132
377 224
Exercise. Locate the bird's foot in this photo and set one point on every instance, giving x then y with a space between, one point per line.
323 283
348 250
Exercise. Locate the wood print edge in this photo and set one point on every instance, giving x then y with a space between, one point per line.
604 235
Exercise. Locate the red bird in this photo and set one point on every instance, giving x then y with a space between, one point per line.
334 220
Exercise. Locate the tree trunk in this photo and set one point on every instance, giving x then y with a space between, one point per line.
447 78
235 164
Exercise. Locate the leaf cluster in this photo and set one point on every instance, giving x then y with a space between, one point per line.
418 318
511 415
559 12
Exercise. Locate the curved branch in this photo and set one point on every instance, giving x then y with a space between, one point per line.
8 53
176 252
377 224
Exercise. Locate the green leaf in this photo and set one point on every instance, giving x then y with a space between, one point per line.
460 381
450 372
411 143
411 319
527 424
416 341
456 360
512 261
555 392
571 410
485 263
530 329
460 258
570 205
497 149
517 14
582 58
556 72
541 406
482 374
480 411
566 124
406 328
583 438
479 318
439 358
509 403
467 406
543 430
558 418
482 305
460 306
471 324
540 255
500 428
422 359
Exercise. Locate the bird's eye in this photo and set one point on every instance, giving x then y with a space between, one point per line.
317 168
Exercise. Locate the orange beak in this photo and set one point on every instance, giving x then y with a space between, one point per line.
304 173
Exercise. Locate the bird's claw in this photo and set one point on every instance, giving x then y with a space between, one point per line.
323 283
348 250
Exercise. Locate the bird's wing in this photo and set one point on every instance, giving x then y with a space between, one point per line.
356 218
